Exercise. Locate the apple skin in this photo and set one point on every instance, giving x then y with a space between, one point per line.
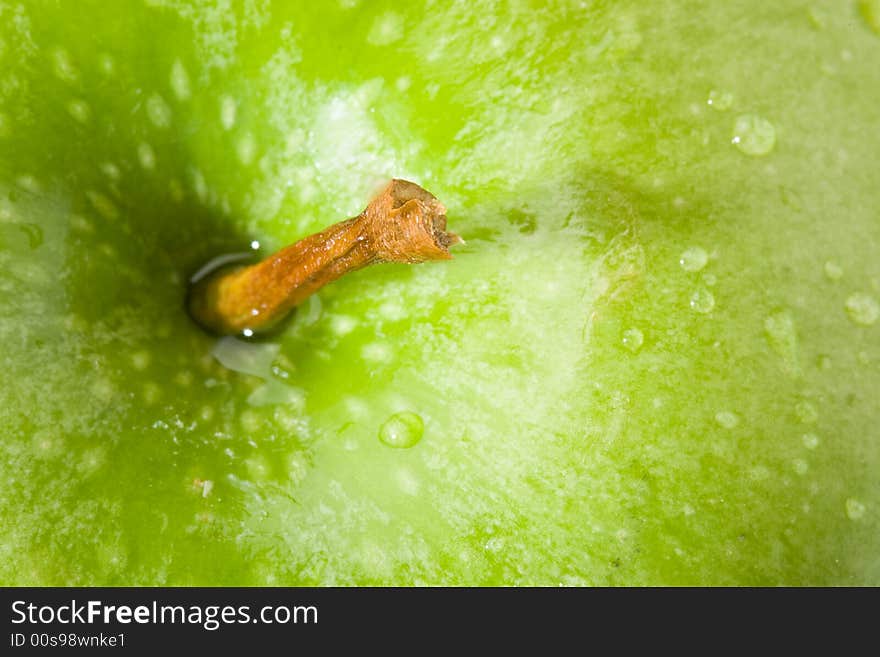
653 362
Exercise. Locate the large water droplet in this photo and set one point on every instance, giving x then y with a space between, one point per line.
693 259
753 135
702 301
862 308
402 430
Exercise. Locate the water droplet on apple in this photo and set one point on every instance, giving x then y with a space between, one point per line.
228 109
180 80
79 110
158 111
702 300
862 308
633 339
140 360
753 135
693 259
111 170
63 66
246 149
342 324
720 100
402 430
727 419
146 156
833 270
855 510
806 412
386 29
377 352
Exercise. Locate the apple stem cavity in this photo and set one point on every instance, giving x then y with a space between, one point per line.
404 223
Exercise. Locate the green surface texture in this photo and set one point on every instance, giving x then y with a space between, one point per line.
655 361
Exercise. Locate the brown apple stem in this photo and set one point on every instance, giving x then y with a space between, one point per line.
405 223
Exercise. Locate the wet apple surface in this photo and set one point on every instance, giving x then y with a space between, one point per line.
656 360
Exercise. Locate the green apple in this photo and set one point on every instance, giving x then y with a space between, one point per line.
655 361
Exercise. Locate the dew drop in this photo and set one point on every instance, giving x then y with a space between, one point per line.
140 360
702 301
246 148
806 412
720 100
180 80
810 440
782 336
386 29
111 170
633 339
833 270
342 324
200 185
727 419
63 66
377 352
158 111
250 421
79 110
102 204
854 509
228 109
402 430
800 466
753 135
862 308
146 156
151 393
107 65
693 259
29 184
